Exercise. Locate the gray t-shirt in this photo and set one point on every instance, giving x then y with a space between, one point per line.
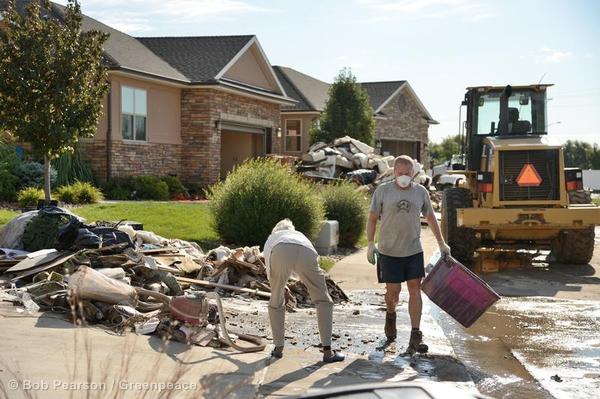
400 214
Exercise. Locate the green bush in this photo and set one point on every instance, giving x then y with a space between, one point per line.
150 188
349 208
258 194
144 188
79 193
8 180
175 185
119 188
28 197
66 194
31 174
71 168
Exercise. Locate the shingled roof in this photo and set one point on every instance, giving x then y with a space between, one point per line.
185 60
379 92
311 94
201 58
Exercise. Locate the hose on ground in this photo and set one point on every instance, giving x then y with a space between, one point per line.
259 344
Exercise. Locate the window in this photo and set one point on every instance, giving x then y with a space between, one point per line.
525 114
133 113
293 135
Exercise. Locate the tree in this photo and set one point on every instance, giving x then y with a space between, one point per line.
347 112
440 153
578 154
52 79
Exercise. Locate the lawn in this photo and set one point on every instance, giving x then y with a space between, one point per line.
186 221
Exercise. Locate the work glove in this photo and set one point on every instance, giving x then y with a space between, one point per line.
444 248
371 251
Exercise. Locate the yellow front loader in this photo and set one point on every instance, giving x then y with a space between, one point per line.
517 192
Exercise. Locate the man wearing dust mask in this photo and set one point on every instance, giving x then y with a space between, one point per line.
399 205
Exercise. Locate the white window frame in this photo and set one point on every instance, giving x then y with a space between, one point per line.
134 114
285 135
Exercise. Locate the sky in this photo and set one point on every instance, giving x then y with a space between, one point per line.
439 46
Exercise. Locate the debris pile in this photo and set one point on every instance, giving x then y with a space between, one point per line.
344 156
127 279
350 159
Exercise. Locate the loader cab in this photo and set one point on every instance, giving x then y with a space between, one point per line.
503 112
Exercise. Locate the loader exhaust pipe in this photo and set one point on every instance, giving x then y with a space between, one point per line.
503 122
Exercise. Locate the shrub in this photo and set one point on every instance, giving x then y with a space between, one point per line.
8 180
87 193
119 188
31 174
144 188
258 194
66 194
349 208
150 188
79 193
72 168
28 197
175 186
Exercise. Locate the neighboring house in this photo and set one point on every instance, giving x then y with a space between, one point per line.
187 106
401 119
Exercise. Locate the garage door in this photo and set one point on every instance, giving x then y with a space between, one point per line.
237 146
400 147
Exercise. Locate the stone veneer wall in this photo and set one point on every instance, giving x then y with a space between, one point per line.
405 122
201 109
132 159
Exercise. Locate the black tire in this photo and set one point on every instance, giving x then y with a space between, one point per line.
580 197
462 240
576 246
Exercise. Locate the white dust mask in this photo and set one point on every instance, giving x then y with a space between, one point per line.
403 181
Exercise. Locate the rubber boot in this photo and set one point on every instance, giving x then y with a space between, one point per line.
415 343
390 326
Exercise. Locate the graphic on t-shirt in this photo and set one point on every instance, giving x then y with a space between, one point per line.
403 205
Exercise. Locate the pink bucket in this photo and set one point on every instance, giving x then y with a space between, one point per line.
458 291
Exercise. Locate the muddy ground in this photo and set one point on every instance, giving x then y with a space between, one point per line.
541 340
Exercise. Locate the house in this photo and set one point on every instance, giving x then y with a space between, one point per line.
401 119
187 106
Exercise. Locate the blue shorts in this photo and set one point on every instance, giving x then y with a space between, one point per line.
392 269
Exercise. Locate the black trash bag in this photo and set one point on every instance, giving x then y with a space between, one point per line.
86 240
67 234
111 236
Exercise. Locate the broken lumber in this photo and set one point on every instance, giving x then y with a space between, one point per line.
223 286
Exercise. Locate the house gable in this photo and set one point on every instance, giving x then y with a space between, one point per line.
251 68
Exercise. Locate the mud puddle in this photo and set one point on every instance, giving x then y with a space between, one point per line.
358 331
534 347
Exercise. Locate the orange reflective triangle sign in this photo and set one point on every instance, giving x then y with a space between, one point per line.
529 177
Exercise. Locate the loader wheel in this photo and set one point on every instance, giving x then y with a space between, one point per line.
580 197
462 240
576 246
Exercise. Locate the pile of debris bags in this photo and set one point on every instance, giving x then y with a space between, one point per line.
350 159
127 279
344 155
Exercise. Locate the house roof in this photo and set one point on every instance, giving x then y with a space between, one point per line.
184 60
199 59
310 93
380 92
120 50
